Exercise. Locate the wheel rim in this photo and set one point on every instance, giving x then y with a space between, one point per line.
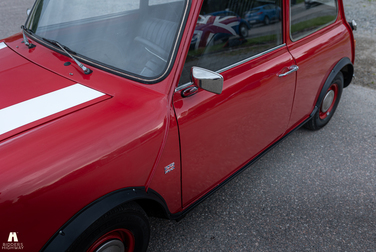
118 240
328 101
243 31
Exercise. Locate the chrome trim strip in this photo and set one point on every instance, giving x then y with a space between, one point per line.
251 58
34 109
2 45
183 86
236 64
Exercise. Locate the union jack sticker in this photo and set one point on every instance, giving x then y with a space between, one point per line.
169 168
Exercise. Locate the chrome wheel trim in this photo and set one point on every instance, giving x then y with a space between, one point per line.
112 246
328 100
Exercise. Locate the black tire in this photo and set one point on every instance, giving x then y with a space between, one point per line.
266 20
127 220
243 30
327 109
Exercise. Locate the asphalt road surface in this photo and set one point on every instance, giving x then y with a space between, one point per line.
314 192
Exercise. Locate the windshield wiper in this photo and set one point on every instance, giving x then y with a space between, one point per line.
85 69
26 41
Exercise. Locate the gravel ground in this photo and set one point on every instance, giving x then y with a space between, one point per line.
364 13
12 16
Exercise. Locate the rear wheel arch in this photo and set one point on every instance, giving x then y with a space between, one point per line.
339 78
150 202
346 67
348 73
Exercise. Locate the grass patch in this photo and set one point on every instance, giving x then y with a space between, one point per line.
262 39
312 24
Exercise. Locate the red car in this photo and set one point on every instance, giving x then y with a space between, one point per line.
108 117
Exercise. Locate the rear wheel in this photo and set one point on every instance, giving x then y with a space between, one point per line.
328 105
266 20
123 229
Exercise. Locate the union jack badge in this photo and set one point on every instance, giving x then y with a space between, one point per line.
169 168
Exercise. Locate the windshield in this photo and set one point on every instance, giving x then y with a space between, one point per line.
135 38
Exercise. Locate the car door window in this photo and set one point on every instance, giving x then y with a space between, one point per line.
311 15
228 32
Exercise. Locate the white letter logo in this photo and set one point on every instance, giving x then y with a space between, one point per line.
12 237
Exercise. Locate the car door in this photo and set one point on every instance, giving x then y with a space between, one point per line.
317 40
219 134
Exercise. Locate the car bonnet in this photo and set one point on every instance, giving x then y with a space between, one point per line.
31 95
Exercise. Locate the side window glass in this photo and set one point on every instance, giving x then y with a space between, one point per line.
230 31
308 16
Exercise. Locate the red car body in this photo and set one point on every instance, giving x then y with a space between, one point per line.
148 143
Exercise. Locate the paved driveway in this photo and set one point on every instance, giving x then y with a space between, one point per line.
315 191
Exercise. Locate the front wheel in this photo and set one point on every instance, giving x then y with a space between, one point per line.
328 105
123 229
243 30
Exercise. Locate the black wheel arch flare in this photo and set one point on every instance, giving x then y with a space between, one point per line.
346 67
73 228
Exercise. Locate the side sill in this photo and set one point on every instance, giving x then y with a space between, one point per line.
180 215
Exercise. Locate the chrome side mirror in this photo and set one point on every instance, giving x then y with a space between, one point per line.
28 11
207 80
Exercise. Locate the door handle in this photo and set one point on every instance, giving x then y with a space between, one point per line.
189 91
291 69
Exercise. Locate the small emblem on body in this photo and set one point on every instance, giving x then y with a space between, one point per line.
169 168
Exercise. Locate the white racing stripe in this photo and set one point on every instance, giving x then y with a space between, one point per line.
42 106
2 45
